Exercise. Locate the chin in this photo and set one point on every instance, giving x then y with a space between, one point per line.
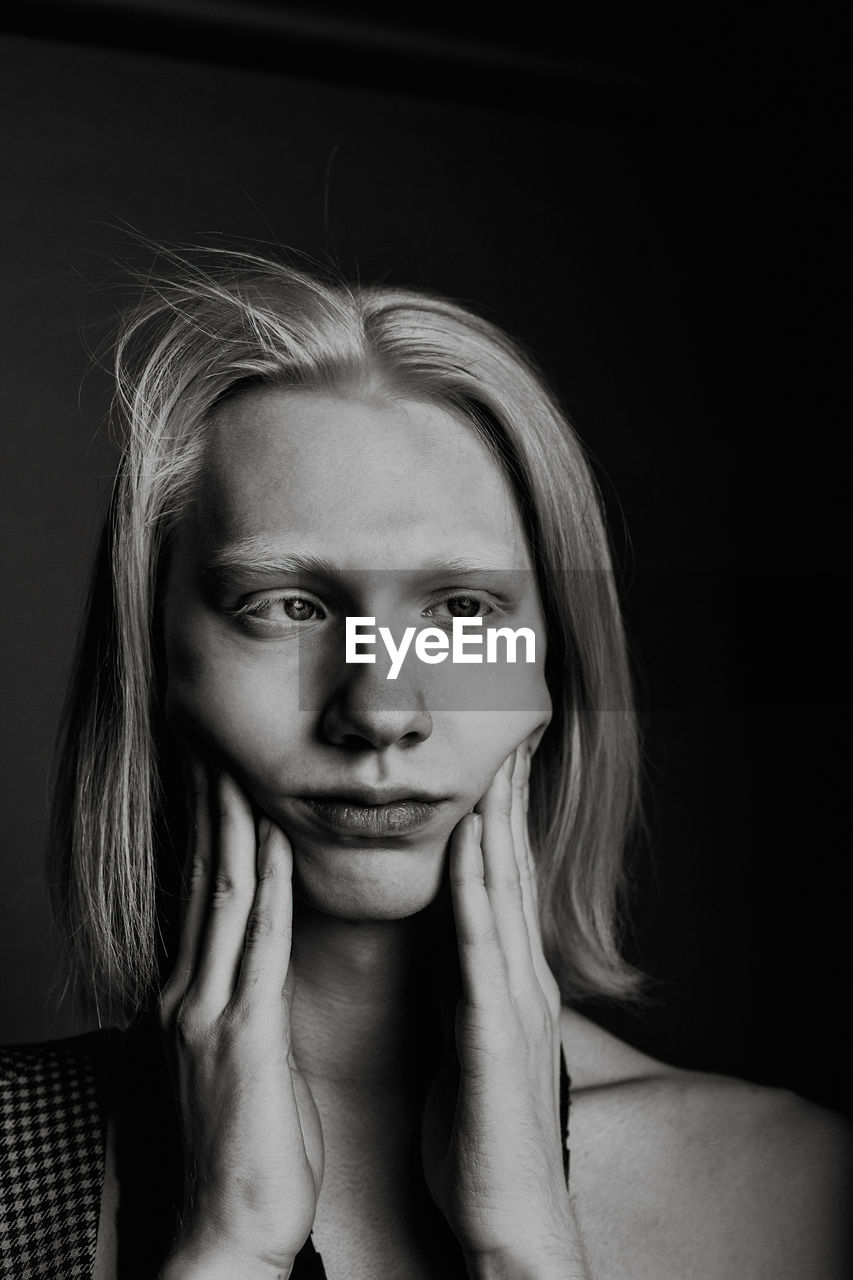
367 883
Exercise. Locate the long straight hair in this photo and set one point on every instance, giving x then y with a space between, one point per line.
206 324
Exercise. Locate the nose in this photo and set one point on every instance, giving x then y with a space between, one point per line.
369 711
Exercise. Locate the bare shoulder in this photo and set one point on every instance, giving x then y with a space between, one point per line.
678 1173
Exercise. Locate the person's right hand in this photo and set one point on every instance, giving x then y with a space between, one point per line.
253 1147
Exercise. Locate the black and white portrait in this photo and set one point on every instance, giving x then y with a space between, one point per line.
425 757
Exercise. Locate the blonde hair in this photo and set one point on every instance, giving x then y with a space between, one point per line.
206 324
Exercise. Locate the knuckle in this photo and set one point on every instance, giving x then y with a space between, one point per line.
259 925
234 1019
188 1026
165 1008
269 874
224 888
248 1020
198 870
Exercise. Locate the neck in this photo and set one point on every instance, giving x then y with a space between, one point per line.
361 1013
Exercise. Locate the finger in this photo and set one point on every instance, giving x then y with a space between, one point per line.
231 893
265 974
196 881
502 875
527 876
481 962
521 844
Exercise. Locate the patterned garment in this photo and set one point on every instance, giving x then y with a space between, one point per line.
52 1128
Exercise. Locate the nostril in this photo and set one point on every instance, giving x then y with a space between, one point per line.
373 724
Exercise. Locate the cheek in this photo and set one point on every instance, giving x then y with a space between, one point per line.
483 739
519 703
229 709
503 681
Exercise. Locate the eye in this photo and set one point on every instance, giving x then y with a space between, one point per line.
464 606
461 605
298 609
279 611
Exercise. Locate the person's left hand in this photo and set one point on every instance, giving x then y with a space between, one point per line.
492 1146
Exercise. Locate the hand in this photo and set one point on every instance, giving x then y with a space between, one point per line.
492 1144
253 1148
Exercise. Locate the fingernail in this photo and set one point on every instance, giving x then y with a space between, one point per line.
477 827
509 765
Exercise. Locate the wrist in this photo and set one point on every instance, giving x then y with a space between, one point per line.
510 1265
187 1262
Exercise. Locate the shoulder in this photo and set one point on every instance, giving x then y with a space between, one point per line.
685 1173
40 1081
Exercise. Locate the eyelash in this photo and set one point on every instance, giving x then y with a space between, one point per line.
256 610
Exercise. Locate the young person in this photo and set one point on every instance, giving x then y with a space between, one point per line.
345 912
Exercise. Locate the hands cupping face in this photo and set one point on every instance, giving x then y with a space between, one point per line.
253 1148
492 1143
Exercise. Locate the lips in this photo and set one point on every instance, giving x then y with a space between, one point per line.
368 797
373 813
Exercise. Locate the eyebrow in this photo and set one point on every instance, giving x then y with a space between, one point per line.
253 557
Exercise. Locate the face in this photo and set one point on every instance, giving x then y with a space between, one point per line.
315 508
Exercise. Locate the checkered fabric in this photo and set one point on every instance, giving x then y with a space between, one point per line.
52 1123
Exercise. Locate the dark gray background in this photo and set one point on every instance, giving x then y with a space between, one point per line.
661 214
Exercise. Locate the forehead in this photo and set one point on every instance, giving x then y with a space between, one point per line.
364 480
